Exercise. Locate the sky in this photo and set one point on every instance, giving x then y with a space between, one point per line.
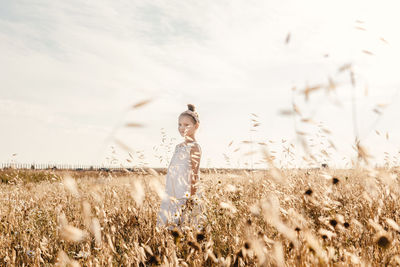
72 70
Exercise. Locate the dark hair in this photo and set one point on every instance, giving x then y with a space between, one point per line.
191 113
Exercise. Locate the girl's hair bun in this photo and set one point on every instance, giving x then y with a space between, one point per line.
192 113
191 107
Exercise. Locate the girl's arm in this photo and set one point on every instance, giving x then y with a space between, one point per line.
195 156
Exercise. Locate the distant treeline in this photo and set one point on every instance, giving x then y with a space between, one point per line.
75 167
82 167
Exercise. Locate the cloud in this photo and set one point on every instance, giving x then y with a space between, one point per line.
87 62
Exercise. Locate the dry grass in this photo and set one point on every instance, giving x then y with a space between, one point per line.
315 217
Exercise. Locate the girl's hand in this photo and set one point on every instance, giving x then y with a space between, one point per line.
192 191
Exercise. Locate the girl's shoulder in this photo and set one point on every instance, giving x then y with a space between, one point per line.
195 146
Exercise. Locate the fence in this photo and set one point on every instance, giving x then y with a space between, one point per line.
83 167
49 166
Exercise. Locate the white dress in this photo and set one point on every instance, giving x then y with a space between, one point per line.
177 187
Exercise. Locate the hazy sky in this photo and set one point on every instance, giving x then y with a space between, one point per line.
71 70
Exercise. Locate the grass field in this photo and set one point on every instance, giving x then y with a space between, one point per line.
286 218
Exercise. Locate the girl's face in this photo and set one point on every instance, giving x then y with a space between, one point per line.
186 127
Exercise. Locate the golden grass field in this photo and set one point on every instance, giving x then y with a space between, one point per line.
318 217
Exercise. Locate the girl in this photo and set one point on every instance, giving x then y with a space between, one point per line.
183 172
